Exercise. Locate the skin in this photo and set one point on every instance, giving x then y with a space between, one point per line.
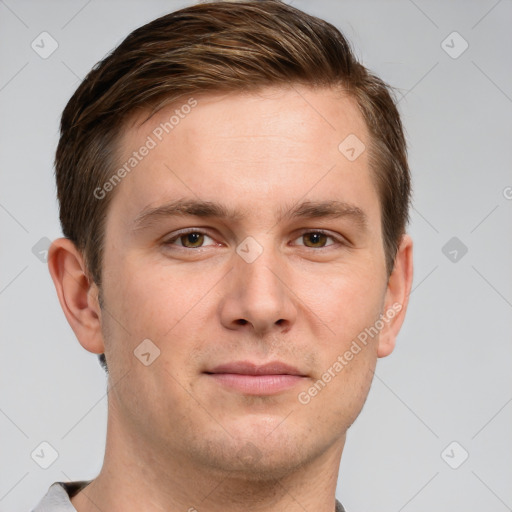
177 438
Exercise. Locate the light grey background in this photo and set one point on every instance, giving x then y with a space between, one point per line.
450 376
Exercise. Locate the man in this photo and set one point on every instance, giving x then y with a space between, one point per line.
234 193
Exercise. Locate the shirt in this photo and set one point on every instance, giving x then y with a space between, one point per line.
57 499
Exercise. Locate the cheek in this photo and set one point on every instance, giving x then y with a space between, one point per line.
144 303
335 397
169 304
346 299
153 300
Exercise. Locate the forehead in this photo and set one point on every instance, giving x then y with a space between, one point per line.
255 149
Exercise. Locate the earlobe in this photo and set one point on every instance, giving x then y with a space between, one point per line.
78 296
397 297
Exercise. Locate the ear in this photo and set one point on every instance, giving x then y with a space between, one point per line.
78 296
397 297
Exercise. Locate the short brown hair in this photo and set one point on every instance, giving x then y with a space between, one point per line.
218 46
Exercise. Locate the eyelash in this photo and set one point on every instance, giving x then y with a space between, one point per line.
177 236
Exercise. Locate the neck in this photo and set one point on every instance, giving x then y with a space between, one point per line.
137 476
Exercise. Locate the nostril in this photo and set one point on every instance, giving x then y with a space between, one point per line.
280 321
241 321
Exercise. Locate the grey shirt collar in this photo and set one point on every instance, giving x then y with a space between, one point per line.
57 499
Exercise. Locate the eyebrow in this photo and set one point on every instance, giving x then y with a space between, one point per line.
327 209
210 209
184 207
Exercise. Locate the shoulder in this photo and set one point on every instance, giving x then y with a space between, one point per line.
57 499
339 507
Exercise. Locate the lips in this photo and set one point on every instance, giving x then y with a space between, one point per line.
248 368
252 379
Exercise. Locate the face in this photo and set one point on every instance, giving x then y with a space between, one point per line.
248 249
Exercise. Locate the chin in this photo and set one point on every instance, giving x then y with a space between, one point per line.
258 455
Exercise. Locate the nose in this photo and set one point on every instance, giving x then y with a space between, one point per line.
258 298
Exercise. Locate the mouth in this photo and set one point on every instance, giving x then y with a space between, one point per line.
253 379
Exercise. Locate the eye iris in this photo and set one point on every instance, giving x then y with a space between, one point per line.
192 239
315 239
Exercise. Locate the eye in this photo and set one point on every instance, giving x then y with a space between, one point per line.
316 239
190 240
